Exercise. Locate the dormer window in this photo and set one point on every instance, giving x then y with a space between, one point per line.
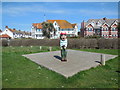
93 23
55 24
99 23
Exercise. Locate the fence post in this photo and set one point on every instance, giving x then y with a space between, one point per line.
102 59
50 49
8 42
40 47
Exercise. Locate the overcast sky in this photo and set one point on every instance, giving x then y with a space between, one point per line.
21 15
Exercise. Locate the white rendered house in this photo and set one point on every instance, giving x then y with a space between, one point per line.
14 34
36 31
60 26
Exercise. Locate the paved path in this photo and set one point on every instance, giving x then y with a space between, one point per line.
77 61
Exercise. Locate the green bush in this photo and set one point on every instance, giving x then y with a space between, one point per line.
81 43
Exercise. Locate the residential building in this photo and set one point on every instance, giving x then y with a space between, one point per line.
60 26
0 31
106 28
14 34
5 36
36 31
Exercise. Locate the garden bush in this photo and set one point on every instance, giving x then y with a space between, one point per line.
72 43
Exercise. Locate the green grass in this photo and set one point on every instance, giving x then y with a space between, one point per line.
20 72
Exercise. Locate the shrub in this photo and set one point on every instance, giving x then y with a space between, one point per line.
4 42
72 43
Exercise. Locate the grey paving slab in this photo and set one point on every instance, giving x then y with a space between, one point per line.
77 61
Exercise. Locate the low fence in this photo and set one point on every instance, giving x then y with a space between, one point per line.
72 43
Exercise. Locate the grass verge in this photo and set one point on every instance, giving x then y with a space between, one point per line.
20 72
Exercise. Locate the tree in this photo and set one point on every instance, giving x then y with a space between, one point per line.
47 28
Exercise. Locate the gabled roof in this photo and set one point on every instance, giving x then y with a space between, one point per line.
73 25
108 21
4 36
37 25
12 30
19 31
62 23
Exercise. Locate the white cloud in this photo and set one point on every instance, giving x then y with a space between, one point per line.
44 8
23 10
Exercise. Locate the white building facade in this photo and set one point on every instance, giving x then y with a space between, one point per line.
60 26
14 34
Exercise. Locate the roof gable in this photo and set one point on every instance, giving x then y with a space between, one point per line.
37 25
73 25
105 24
115 22
62 23
4 36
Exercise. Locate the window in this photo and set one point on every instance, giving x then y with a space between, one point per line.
50 35
113 29
106 29
62 29
89 29
99 23
38 30
59 28
55 24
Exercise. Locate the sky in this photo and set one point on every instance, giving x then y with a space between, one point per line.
21 15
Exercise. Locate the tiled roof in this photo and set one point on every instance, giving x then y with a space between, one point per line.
4 36
74 25
108 21
12 30
62 23
38 25
19 31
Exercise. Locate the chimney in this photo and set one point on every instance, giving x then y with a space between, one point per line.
6 26
104 18
14 29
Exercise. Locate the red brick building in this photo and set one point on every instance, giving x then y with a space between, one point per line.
106 28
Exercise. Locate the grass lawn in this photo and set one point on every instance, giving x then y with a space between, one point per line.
20 72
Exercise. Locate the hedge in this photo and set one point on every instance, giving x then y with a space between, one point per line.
72 43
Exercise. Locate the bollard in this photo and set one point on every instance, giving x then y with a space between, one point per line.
50 49
40 47
102 59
